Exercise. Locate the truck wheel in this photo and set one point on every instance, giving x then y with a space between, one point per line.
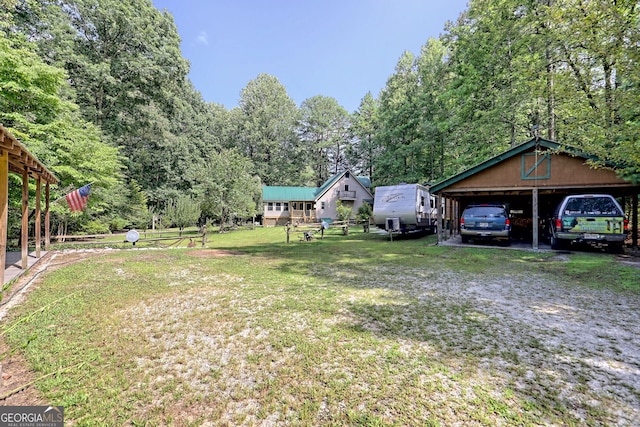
615 248
556 244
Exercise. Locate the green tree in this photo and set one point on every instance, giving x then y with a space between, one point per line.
496 94
125 65
364 215
402 155
344 214
323 129
364 151
229 189
182 212
433 76
267 118
29 88
36 104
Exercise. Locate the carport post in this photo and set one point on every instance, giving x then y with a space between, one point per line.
534 206
634 221
439 217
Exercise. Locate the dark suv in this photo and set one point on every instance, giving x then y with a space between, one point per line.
595 219
485 221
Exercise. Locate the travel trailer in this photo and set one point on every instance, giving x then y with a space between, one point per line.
404 208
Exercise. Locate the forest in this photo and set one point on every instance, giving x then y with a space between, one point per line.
99 91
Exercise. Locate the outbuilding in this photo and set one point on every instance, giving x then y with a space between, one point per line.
531 178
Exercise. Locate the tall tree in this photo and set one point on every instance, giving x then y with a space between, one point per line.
125 65
37 105
323 131
266 131
402 157
229 188
433 77
498 72
364 152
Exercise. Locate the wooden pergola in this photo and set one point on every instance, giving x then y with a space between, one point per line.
15 158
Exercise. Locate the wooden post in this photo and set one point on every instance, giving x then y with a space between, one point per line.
439 216
4 210
535 218
634 221
25 218
38 214
47 219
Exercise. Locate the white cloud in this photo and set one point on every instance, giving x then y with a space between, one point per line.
203 38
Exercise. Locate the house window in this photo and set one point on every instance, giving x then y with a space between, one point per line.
346 187
421 201
346 175
294 205
322 205
308 206
278 206
270 206
286 206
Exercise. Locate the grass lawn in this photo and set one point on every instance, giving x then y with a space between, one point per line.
347 330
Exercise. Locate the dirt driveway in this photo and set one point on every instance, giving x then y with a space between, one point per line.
528 332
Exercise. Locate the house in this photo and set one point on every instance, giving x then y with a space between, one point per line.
313 204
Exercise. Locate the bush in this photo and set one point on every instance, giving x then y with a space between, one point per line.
118 224
96 227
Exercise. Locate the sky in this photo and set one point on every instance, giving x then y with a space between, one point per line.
335 48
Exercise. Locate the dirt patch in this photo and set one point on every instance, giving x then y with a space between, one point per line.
630 260
15 385
207 253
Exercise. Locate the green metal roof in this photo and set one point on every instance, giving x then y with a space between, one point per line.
328 183
365 181
288 193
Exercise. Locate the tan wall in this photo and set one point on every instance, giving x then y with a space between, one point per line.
565 171
331 199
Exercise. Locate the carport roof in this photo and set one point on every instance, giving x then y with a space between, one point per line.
515 151
437 187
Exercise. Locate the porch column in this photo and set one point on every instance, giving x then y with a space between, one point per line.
25 218
534 206
4 209
634 221
47 230
439 217
38 213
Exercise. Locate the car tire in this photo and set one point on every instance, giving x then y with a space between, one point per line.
615 248
557 244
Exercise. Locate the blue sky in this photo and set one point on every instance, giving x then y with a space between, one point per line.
337 48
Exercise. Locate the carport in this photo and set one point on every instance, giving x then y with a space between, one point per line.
531 178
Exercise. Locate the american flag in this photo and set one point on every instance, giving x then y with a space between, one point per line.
78 199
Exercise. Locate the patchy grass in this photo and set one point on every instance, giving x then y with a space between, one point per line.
348 330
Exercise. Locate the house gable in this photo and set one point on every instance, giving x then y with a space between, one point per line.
337 179
540 163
